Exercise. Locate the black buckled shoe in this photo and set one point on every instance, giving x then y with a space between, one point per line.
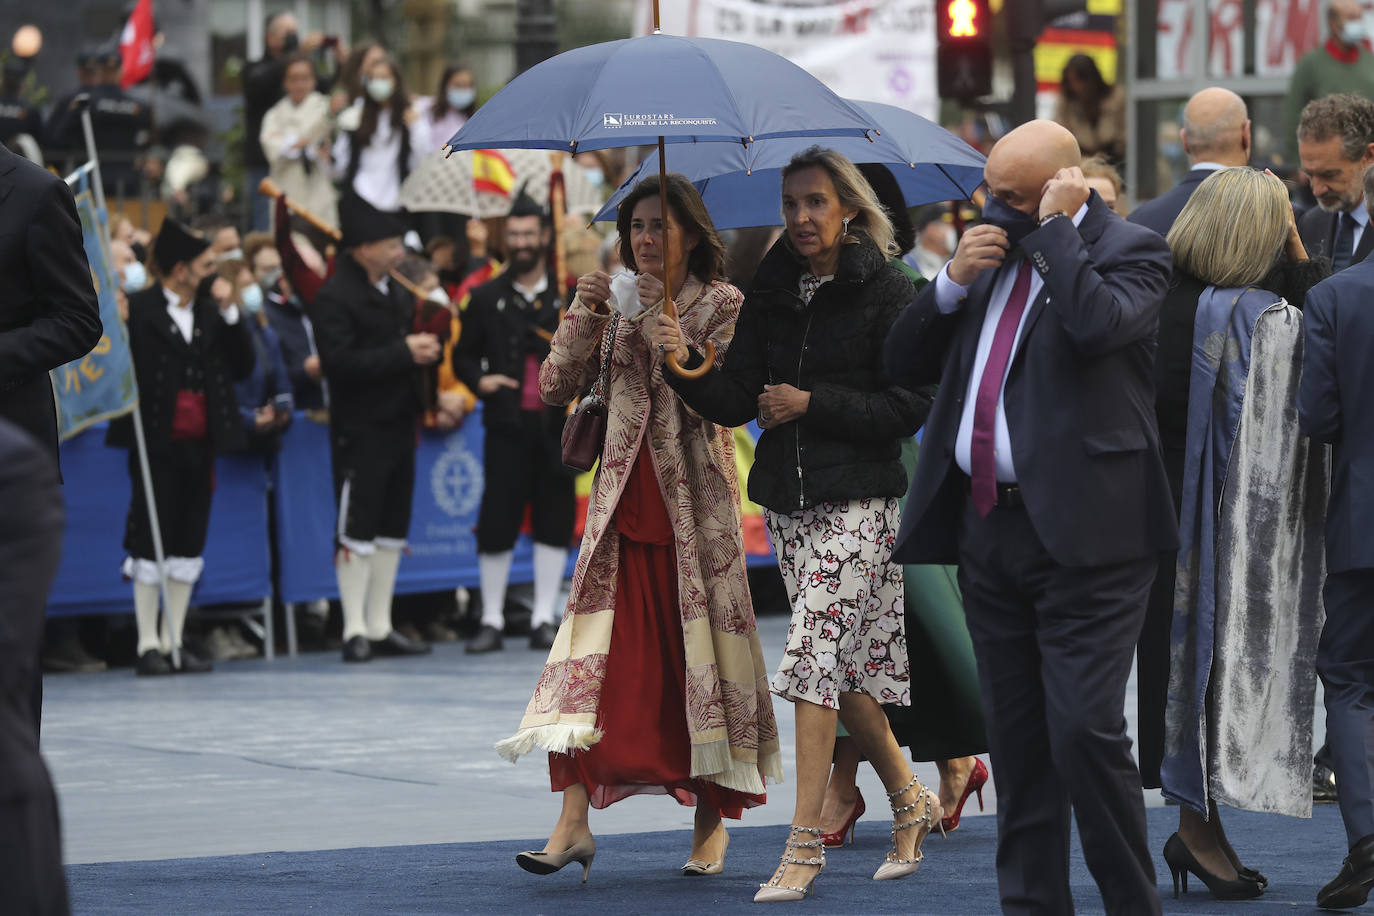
1323 784
1350 887
153 663
192 663
396 644
542 636
357 649
488 639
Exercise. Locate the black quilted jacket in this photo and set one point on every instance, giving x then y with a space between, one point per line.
847 446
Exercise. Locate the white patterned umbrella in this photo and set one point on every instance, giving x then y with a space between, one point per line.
446 185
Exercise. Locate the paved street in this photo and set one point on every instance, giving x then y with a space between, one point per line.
311 754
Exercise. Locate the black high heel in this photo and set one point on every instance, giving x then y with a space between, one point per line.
1181 861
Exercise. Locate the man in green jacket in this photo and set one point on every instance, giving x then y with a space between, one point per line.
1344 64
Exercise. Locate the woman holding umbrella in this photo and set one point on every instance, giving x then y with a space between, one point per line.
656 683
806 361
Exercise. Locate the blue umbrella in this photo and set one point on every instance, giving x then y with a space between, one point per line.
638 91
742 186
661 89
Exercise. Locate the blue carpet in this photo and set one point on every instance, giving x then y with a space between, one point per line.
637 873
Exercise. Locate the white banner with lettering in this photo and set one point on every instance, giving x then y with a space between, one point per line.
877 50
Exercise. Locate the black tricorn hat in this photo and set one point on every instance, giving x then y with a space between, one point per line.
524 205
360 222
174 244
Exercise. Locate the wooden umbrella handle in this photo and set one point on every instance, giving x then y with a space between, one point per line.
708 353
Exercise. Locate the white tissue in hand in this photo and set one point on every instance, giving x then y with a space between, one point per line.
625 294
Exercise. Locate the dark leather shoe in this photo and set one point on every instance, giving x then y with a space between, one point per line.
1323 784
542 636
192 663
488 639
357 649
152 663
396 644
1350 887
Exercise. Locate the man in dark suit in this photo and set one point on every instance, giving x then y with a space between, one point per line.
1336 373
1336 145
1041 477
31 879
48 311
1216 135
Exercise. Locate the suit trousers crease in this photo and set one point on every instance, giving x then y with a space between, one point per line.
1054 647
1345 663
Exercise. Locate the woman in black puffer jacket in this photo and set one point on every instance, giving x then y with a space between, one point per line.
807 360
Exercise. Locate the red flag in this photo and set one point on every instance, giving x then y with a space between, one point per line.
136 44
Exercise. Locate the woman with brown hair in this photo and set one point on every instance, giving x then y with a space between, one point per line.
656 682
807 361
376 147
1092 110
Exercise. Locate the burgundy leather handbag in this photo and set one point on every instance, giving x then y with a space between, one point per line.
584 432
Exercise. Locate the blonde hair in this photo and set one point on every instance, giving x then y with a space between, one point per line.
1098 167
1233 228
853 190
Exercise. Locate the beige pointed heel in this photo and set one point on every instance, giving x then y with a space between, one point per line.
894 867
546 863
775 891
696 868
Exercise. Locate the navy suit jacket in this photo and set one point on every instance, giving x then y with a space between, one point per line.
1159 214
1334 406
1317 229
1079 398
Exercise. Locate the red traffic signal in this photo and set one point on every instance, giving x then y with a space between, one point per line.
964 54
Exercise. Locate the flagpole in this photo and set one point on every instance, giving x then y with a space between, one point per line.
140 440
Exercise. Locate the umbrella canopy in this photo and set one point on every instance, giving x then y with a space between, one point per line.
633 91
439 186
742 186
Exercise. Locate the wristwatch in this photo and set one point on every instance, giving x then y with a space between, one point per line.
1049 216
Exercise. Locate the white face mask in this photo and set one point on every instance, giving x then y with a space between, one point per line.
461 98
251 297
595 177
380 88
439 296
625 294
1353 32
135 277
951 239
233 254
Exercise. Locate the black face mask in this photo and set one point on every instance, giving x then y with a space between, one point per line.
1016 224
291 42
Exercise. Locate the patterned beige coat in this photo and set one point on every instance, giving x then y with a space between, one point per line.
729 711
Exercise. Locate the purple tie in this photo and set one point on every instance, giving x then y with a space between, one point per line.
982 454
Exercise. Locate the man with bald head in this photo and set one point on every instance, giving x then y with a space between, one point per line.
1216 135
1041 477
1343 64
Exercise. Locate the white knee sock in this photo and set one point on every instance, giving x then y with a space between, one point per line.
145 616
493 571
377 617
179 602
353 570
549 563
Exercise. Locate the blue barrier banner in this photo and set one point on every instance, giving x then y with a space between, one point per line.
100 385
237 562
442 547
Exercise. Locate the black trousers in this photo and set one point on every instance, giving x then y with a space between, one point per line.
374 481
1152 651
1345 663
1054 647
522 470
183 485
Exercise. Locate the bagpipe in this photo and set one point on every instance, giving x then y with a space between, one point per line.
430 317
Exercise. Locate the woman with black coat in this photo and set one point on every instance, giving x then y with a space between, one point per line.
806 360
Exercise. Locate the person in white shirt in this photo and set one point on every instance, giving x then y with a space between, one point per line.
295 138
378 143
441 115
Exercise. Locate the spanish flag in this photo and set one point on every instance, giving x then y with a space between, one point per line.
491 173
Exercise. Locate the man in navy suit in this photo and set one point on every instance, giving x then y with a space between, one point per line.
1216 135
1041 477
1336 145
1332 407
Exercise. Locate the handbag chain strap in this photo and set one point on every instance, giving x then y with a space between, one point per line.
607 344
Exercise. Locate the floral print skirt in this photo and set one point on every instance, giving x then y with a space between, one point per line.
847 630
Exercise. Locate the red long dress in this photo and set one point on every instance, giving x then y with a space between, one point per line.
645 748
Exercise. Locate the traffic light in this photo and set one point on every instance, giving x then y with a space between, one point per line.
964 56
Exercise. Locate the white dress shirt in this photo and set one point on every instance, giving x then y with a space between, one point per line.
949 299
379 172
184 317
